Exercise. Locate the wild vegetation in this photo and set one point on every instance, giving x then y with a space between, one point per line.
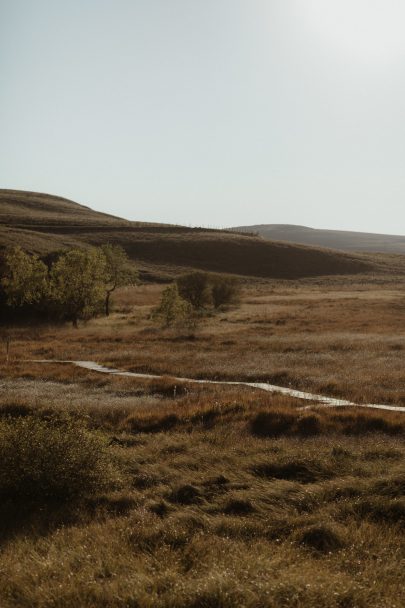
74 286
120 492
185 302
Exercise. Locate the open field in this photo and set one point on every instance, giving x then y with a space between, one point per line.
334 337
205 495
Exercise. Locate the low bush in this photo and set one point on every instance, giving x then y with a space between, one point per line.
202 289
51 460
225 290
194 288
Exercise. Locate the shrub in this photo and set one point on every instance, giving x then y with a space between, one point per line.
224 290
173 309
194 288
201 289
43 460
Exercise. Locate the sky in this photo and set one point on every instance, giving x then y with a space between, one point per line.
209 112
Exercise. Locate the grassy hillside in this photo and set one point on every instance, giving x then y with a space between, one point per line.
44 223
26 209
334 239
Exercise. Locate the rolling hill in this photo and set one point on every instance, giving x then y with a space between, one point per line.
333 239
43 223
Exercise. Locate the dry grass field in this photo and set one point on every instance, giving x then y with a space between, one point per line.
155 493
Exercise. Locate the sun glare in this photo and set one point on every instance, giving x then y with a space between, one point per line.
367 30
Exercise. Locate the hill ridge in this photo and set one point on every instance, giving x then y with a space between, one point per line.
44 223
343 240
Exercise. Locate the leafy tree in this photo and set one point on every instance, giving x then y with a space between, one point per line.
172 308
117 272
77 283
224 290
26 278
194 287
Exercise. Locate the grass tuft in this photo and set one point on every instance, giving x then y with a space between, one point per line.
323 538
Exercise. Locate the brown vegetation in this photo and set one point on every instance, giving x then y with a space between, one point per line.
195 496
209 495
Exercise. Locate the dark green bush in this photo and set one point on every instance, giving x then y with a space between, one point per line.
202 289
44 460
194 288
225 290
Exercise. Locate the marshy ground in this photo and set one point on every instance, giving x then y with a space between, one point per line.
160 494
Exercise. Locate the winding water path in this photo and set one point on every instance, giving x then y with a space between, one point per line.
264 386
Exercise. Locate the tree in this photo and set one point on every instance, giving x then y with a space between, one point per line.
26 278
77 283
172 308
117 271
194 287
225 290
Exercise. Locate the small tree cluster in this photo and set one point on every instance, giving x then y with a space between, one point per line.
173 310
201 289
78 284
182 303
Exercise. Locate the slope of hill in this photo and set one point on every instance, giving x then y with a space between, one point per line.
333 239
43 223
26 209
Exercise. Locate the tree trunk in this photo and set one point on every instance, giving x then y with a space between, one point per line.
74 321
107 304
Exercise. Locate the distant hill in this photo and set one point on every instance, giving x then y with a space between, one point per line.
32 209
333 239
43 223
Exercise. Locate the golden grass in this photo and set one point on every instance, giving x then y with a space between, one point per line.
335 339
217 517
227 496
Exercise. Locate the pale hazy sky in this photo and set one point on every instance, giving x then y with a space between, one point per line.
209 112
